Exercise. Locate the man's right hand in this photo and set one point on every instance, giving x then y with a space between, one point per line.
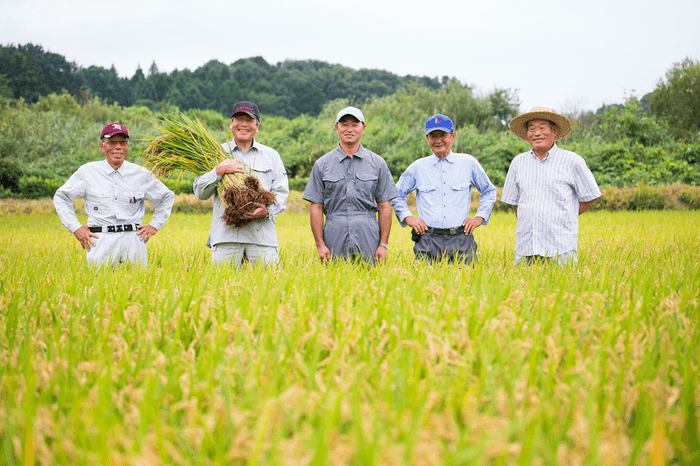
84 237
324 253
417 224
229 166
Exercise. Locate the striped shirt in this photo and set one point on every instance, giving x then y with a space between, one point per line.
547 193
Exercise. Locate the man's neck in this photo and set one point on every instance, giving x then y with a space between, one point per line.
541 154
350 150
244 146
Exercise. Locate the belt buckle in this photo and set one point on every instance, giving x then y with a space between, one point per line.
453 231
110 229
119 229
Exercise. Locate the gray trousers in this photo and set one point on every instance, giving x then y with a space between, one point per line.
453 248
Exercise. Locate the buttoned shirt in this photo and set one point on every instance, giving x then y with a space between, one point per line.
265 164
349 189
113 197
547 193
443 190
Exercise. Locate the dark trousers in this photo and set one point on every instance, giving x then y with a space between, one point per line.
453 248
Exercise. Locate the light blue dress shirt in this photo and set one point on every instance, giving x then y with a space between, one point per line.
443 190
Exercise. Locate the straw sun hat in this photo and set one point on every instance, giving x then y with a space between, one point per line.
517 124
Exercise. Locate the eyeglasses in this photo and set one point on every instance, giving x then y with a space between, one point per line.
111 143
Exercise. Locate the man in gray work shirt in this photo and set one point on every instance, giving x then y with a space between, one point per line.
350 185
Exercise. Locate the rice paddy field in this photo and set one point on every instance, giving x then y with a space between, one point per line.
406 363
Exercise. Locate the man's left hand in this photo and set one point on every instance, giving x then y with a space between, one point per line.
145 232
259 212
380 254
470 224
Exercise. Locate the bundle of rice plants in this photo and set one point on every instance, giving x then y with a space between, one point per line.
186 145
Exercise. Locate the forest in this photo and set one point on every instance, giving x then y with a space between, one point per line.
51 112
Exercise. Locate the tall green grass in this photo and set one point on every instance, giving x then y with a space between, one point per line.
404 363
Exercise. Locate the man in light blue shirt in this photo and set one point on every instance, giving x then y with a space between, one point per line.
443 183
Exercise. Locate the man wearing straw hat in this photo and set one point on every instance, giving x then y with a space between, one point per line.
114 191
443 183
256 241
549 187
350 185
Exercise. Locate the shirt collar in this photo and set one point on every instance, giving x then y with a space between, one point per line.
255 145
450 158
342 154
108 169
552 150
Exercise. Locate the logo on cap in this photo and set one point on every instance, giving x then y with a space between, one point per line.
116 126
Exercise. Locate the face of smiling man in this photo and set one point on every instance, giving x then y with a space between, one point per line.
541 136
350 130
244 128
115 150
441 142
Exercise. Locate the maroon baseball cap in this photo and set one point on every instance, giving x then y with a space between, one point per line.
112 129
248 107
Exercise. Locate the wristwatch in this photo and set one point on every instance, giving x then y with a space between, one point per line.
386 246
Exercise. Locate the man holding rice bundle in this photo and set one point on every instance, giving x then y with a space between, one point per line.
256 240
114 191
350 185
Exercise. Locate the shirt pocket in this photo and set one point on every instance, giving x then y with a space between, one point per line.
264 174
366 185
98 200
131 201
425 189
461 187
333 184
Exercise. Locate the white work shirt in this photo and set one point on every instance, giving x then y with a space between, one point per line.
547 193
113 197
266 164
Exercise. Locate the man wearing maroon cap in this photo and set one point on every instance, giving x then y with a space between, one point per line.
114 191
256 241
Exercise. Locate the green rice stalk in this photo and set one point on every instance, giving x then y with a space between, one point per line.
186 145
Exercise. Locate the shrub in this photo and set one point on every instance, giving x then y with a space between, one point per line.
36 187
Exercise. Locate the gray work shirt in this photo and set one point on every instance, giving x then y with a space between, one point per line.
349 189
266 164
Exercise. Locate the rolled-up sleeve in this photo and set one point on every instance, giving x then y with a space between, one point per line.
405 186
205 185
162 199
74 188
487 190
279 186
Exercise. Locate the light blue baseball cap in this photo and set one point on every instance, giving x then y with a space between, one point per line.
439 122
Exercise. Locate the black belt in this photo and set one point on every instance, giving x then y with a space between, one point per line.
446 231
115 228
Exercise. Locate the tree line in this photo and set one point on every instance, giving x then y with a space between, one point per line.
289 88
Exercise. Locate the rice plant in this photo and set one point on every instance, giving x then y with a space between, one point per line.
184 362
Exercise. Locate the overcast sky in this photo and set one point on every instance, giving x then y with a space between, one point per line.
567 55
